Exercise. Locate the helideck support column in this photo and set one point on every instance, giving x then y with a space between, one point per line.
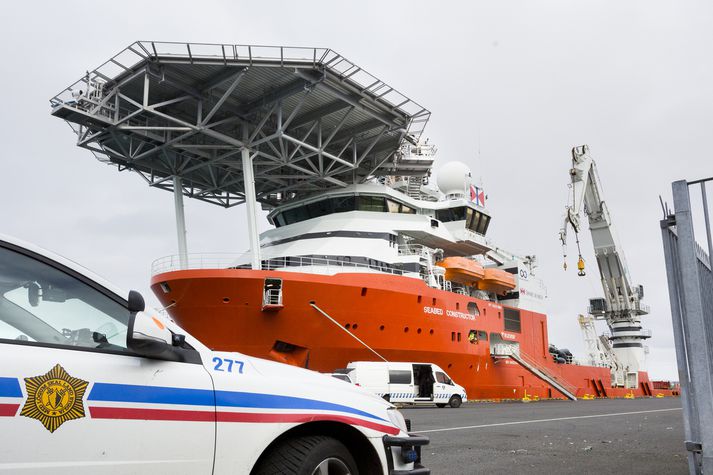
251 202
180 221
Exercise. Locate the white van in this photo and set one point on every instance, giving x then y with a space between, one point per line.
407 383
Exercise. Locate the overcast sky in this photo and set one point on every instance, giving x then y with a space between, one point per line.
512 87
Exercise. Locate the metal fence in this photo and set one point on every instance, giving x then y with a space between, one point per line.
690 281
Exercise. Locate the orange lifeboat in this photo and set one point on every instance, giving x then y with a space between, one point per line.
497 280
462 270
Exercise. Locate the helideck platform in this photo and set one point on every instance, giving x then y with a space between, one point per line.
183 113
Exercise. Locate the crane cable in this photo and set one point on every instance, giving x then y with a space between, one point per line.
580 261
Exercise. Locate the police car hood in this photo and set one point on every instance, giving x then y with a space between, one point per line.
299 382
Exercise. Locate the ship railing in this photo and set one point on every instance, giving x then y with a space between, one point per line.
201 53
508 349
531 361
310 265
215 260
319 265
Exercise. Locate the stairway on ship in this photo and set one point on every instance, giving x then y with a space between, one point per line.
530 365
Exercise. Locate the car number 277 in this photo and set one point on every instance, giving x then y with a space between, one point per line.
224 364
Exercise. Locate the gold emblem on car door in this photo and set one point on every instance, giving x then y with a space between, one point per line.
54 398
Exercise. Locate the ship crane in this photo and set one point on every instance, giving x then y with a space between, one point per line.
621 306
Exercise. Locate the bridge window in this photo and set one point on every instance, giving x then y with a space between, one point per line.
341 204
344 204
372 203
451 214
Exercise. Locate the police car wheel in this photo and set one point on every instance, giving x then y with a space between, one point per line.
455 401
310 455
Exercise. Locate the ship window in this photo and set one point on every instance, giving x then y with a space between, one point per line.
372 203
393 206
482 335
320 208
407 209
473 308
399 377
470 216
512 320
451 214
295 215
344 204
483 224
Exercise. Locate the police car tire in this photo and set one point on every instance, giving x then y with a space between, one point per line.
302 455
455 401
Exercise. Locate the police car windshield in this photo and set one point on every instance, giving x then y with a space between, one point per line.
41 303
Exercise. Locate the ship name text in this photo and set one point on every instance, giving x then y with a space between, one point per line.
449 313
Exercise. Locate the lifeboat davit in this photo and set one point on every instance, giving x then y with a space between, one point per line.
497 280
462 270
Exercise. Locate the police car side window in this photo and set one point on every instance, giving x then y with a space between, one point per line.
40 303
441 378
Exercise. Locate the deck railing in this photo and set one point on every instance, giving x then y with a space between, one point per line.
310 265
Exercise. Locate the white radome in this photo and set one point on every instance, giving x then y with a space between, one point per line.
453 178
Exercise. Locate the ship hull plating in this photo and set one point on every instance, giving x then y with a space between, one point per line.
400 318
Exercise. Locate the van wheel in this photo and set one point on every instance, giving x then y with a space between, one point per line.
387 397
455 401
310 455
441 404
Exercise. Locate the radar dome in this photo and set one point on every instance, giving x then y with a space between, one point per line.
453 178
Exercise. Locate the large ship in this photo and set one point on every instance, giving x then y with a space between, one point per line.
368 259
388 269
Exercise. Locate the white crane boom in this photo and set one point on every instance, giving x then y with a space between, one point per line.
621 306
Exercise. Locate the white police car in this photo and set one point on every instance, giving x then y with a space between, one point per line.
91 383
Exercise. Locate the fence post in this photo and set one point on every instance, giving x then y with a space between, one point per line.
695 339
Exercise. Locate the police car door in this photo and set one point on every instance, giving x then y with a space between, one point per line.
73 399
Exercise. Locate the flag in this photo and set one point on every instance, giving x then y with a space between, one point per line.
477 195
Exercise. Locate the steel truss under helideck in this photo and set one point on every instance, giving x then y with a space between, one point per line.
183 113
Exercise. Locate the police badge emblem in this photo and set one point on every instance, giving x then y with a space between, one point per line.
54 398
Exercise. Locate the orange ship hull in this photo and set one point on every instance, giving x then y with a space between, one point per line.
399 317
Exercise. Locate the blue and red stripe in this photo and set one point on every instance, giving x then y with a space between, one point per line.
9 387
110 392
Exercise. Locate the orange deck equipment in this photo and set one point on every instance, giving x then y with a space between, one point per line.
462 270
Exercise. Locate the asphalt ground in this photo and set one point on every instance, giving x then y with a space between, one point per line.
602 436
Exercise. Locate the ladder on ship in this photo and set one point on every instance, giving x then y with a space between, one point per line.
534 368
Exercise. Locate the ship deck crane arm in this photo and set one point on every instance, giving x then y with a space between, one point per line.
621 296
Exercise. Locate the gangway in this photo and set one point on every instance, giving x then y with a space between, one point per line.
513 352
